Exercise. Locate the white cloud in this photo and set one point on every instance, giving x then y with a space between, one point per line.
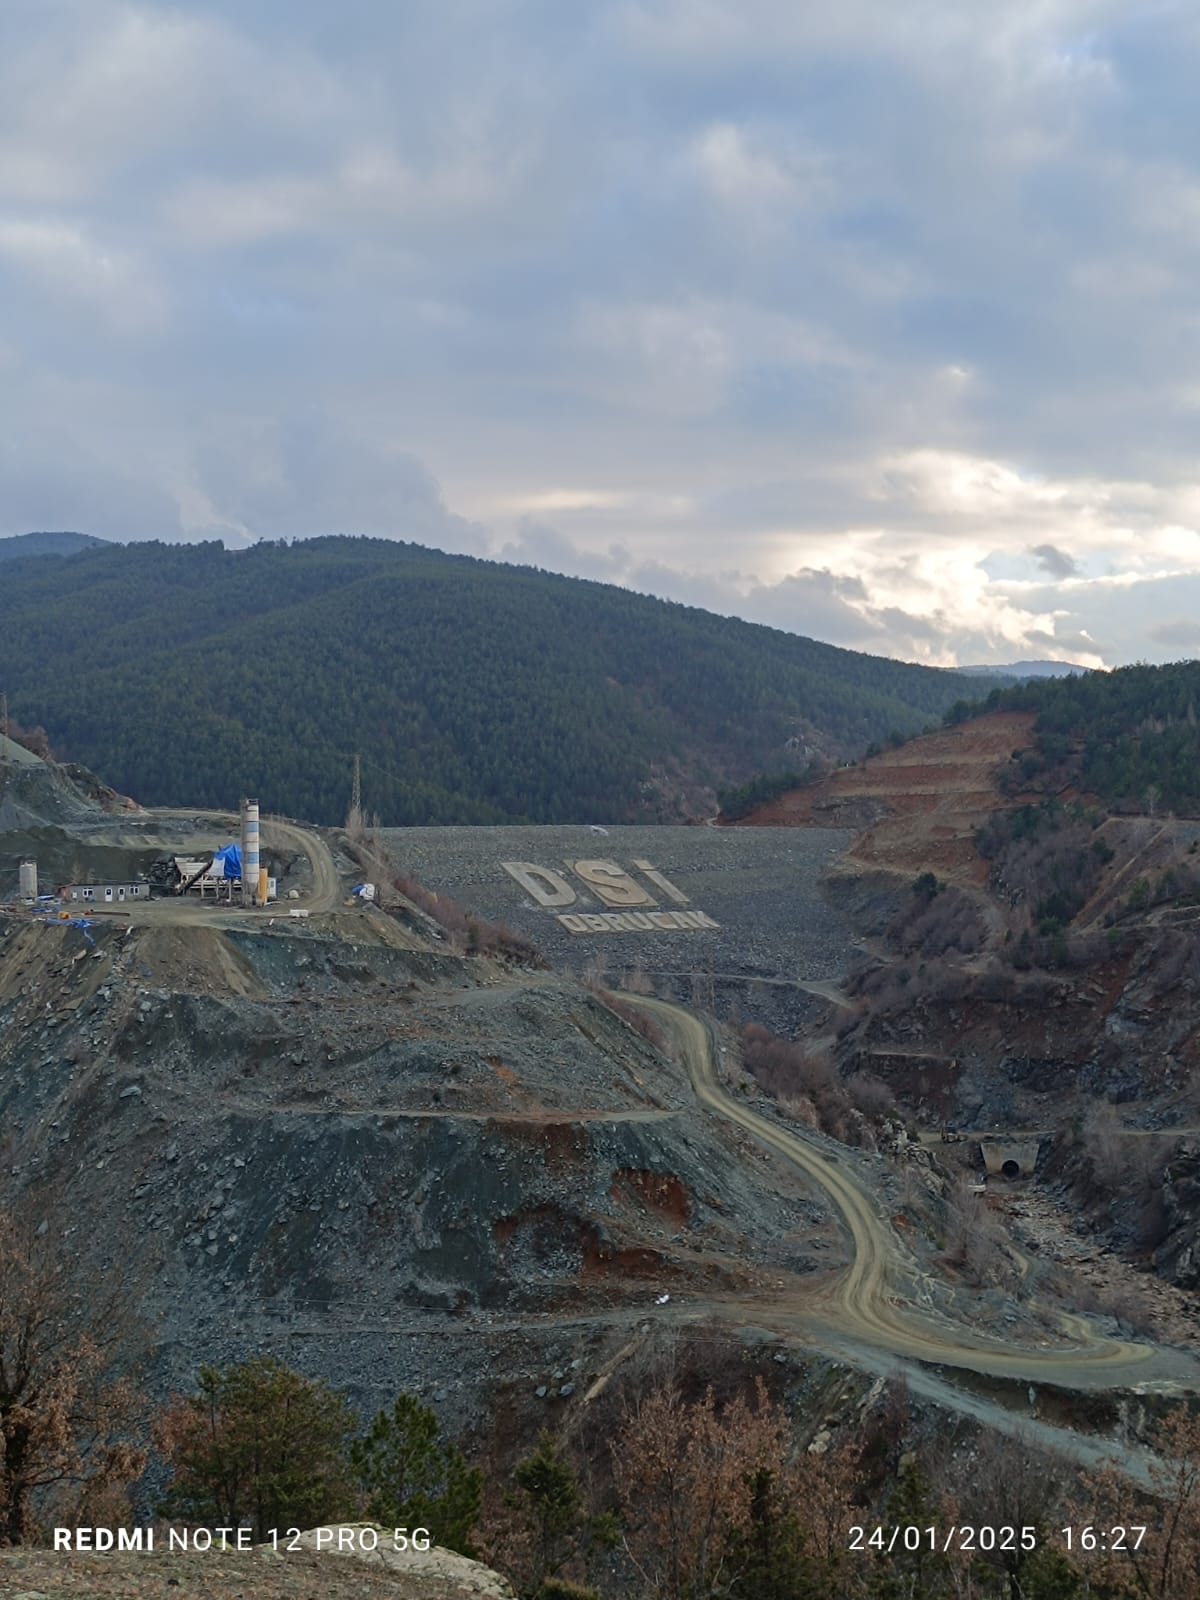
95 88
371 189
65 262
839 316
750 172
306 474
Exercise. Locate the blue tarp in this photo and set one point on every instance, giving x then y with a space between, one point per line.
81 923
227 861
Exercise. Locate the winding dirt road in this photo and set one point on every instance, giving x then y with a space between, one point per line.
876 1300
326 891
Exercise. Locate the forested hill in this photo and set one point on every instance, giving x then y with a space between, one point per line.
47 544
476 692
1131 737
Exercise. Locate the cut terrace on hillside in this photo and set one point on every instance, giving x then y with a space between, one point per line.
918 805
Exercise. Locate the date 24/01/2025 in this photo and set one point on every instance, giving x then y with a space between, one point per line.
984 1539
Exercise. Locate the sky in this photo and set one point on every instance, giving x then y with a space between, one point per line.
873 322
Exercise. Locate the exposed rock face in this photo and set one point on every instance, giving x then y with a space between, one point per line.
987 1005
1178 1257
389 1165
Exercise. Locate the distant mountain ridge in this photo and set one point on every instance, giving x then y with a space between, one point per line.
47 544
1027 669
473 691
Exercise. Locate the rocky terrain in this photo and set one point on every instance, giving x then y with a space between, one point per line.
262 1573
1047 981
914 805
325 1131
337 1138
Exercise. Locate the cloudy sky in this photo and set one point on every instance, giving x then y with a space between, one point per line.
874 322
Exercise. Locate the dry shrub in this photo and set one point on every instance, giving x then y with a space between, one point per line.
806 1085
1165 1562
473 935
893 987
683 1474
933 925
1123 1303
997 983
36 740
799 1108
707 1486
783 1067
975 1241
636 981
637 1019
871 1096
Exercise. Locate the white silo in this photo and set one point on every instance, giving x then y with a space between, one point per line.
249 852
28 876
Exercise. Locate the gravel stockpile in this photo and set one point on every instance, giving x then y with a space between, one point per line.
760 885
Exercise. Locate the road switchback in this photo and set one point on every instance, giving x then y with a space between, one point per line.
875 1300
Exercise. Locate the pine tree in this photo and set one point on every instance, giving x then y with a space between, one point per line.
413 1479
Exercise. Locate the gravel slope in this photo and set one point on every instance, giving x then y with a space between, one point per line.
762 886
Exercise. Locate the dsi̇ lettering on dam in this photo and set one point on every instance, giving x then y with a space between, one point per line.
635 909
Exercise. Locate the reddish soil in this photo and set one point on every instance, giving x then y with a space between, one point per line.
918 805
662 1192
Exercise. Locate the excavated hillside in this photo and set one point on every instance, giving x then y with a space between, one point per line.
321 1130
334 1136
1032 969
918 803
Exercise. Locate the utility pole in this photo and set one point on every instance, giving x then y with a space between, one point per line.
354 820
4 755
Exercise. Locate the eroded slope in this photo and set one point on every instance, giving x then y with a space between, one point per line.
315 1132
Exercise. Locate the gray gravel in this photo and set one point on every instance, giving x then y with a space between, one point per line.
761 885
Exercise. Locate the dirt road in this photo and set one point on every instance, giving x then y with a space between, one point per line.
879 1300
326 891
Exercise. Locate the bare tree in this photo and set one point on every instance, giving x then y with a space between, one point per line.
685 1474
975 1240
68 1419
1163 1563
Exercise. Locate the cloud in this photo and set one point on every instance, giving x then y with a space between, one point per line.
1055 561
305 476
42 486
870 328
99 95
1184 631
62 264
371 189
